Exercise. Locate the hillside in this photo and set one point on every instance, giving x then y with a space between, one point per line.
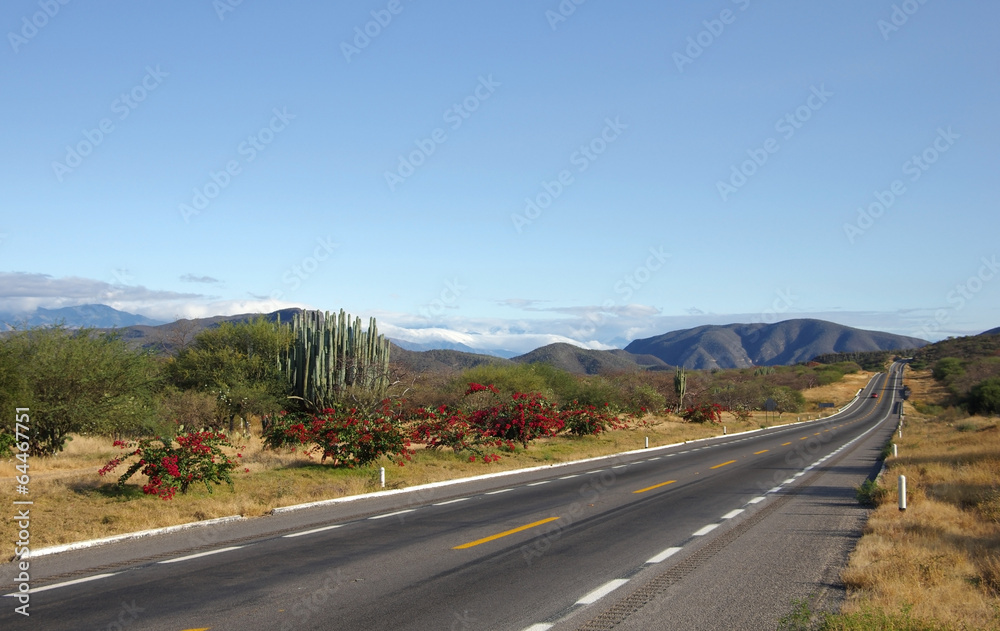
782 343
970 347
439 360
169 337
585 361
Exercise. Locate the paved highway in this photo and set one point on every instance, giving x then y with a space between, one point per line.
588 545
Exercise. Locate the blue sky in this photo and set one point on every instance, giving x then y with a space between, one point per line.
685 163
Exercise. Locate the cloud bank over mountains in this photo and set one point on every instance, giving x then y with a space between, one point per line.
533 323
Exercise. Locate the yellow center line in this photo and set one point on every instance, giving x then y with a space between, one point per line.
504 534
722 465
783 444
757 453
655 486
804 437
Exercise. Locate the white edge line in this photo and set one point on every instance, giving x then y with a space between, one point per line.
310 532
539 483
732 513
663 556
757 500
602 591
569 477
66 584
541 626
200 554
80 545
498 492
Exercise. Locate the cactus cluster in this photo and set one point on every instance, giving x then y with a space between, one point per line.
329 354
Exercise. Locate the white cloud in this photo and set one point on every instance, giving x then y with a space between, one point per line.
587 326
22 293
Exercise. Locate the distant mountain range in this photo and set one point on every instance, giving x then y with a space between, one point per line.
96 316
704 347
451 346
782 343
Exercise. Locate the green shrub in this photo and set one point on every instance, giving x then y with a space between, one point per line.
7 441
947 368
869 493
984 398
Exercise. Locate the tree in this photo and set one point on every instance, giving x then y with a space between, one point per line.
77 381
238 364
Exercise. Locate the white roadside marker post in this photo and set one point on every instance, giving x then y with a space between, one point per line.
381 476
902 492
895 451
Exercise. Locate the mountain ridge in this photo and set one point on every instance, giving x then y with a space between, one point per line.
737 345
781 343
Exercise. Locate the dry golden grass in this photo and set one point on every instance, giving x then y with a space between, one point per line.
73 503
840 392
939 561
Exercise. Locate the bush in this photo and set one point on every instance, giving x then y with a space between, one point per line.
869 493
189 408
7 441
522 419
197 457
444 427
588 420
947 368
703 413
508 379
348 437
984 398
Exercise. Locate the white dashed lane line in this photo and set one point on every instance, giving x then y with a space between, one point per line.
35 590
704 530
201 554
602 591
310 532
399 512
663 556
461 499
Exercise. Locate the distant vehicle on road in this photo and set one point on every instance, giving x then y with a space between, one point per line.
874 395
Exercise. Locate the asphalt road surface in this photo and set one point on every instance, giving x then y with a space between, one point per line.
715 534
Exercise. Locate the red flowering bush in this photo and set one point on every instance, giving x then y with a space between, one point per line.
589 420
522 419
349 437
703 413
197 457
448 428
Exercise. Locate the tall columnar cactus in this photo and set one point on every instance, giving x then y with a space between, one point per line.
680 386
330 354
